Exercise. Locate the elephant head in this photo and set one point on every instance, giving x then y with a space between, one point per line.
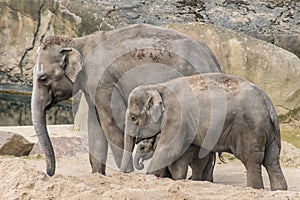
144 117
144 151
53 80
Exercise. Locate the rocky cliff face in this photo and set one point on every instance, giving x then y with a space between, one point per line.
23 25
274 69
274 21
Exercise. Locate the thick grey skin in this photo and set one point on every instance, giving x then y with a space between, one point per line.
96 64
250 130
201 168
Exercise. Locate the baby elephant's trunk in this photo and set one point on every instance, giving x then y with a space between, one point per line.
138 161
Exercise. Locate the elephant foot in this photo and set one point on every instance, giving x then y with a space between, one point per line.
272 165
278 182
159 173
254 177
276 177
97 166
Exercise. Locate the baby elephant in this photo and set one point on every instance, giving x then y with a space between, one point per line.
214 111
202 169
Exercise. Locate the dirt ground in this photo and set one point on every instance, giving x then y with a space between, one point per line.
25 178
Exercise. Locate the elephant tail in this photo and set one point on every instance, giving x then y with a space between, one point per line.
273 118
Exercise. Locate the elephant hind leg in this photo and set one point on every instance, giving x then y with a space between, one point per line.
272 165
254 176
253 161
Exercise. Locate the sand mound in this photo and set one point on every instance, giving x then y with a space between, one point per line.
21 180
290 155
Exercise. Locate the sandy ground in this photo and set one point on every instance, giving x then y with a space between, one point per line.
24 178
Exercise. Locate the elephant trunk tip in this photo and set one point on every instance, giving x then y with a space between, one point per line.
50 172
50 165
138 163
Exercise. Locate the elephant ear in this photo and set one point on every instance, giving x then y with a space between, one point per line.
72 62
154 105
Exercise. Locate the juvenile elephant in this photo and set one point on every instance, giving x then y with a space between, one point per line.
215 111
202 169
106 66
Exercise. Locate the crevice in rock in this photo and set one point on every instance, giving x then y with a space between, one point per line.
47 29
15 10
33 41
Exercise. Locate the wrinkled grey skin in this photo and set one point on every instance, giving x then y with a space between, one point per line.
250 130
106 66
201 168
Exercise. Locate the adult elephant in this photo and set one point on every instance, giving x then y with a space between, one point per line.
106 66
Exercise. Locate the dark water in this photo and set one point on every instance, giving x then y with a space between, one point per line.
15 110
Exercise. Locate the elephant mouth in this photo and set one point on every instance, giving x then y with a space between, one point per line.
51 104
138 140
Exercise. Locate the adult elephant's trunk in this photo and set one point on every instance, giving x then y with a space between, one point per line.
127 163
38 111
137 163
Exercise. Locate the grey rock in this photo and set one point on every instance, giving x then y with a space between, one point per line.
23 25
274 69
14 144
275 21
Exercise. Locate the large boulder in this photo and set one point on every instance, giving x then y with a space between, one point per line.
275 21
274 69
23 24
14 144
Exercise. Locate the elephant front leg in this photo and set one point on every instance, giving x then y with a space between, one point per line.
171 145
127 162
179 169
97 143
163 157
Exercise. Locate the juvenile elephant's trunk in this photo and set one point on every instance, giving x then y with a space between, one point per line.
39 122
137 163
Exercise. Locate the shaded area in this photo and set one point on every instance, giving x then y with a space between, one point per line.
15 110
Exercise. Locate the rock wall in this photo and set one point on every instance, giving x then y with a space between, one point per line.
23 25
274 69
274 21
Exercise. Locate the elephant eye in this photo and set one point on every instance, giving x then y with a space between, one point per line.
134 119
43 79
142 147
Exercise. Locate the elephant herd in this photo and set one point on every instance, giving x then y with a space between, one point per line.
163 91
